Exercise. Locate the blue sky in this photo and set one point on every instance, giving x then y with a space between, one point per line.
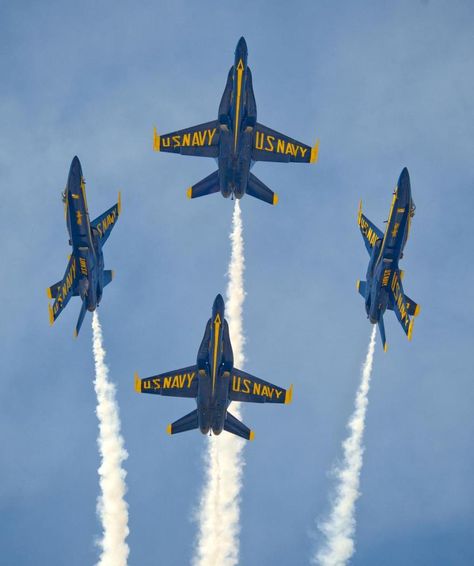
383 86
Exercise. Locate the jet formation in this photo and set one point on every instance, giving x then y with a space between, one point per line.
383 288
236 140
214 383
85 275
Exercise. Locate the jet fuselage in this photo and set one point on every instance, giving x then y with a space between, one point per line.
85 242
237 119
215 362
387 252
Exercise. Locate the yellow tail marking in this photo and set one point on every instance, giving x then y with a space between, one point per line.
168 429
417 310
240 70
217 326
189 192
314 152
289 395
410 329
275 199
138 383
119 204
252 435
156 140
51 315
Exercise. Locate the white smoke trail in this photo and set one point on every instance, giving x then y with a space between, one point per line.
340 527
219 511
112 508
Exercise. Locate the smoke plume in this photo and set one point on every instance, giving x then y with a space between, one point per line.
339 528
219 511
112 508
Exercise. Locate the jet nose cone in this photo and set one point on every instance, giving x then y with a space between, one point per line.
241 48
75 172
218 306
404 182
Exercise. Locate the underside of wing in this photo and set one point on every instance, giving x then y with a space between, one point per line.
270 145
369 230
63 290
106 221
401 305
201 140
179 383
245 387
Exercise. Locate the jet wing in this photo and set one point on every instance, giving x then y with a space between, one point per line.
201 140
62 291
270 145
402 305
245 387
369 230
179 383
106 221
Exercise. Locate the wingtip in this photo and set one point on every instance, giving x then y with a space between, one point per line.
358 284
275 199
137 383
289 395
314 152
75 333
359 213
385 347
51 315
156 140
189 192
169 430
417 310
410 329
119 204
252 435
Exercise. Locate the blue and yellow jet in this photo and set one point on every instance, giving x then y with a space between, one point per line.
85 274
236 140
214 382
383 288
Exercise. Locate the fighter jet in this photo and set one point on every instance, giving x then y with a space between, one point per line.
383 288
85 275
214 382
236 140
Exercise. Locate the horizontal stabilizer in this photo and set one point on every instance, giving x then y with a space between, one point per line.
382 334
362 287
80 320
188 422
108 276
257 189
206 186
234 426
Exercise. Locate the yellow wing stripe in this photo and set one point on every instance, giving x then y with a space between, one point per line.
156 140
314 152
